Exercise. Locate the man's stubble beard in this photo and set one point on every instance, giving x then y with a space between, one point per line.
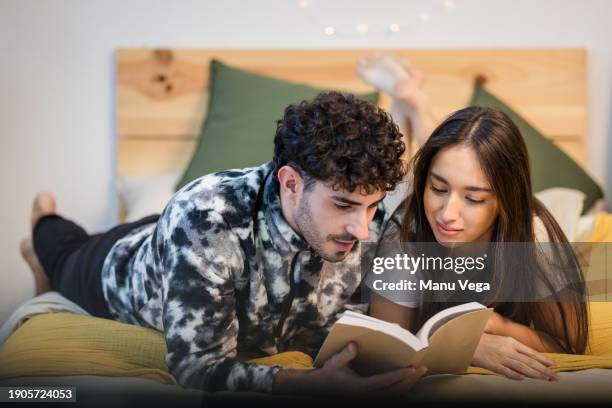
307 229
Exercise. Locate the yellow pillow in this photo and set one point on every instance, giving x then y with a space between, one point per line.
600 328
57 344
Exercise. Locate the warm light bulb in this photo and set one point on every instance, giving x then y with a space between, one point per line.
394 28
424 16
361 28
449 4
329 30
304 4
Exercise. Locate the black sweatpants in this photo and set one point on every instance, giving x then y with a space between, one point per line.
73 259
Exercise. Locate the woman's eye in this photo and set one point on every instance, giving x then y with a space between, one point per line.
471 200
342 206
437 190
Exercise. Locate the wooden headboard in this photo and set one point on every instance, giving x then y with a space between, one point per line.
162 94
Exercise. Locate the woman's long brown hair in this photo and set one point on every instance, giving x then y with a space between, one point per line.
503 157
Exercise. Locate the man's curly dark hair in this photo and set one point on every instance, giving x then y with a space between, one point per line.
341 140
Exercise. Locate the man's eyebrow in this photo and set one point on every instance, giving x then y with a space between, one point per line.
351 202
469 188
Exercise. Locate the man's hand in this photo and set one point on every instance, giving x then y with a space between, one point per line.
507 356
336 378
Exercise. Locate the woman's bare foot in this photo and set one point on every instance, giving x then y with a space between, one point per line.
41 282
44 204
409 105
409 89
381 71
397 77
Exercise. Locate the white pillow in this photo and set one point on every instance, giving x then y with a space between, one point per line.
146 195
565 205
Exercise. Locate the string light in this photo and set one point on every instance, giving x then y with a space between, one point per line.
361 28
424 16
329 30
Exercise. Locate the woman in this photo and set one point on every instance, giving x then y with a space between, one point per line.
471 184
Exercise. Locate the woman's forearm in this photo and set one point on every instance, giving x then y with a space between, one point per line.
537 340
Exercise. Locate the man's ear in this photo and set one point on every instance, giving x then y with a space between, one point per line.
290 183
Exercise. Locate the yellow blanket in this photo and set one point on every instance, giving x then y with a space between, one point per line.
600 348
68 344
602 231
600 344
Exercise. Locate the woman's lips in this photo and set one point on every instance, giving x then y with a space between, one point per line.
447 231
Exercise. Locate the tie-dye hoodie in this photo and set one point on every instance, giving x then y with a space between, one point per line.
222 272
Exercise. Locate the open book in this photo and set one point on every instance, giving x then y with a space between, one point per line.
445 344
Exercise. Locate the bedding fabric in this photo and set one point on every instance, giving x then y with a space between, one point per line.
445 390
60 344
49 302
56 344
146 195
602 230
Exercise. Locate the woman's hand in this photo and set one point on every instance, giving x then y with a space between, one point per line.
507 356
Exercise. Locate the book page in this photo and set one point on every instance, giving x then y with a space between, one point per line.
440 318
381 346
391 329
452 346
384 346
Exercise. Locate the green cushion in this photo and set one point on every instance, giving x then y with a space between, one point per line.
241 122
550 166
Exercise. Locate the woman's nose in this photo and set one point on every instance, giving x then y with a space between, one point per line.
451 210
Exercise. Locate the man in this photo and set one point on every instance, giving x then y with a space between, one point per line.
245 260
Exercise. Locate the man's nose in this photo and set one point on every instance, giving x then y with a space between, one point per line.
359 227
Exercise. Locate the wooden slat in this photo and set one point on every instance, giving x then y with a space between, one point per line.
142 157
141 115
163 94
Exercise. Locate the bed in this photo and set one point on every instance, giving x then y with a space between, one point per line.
162 98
